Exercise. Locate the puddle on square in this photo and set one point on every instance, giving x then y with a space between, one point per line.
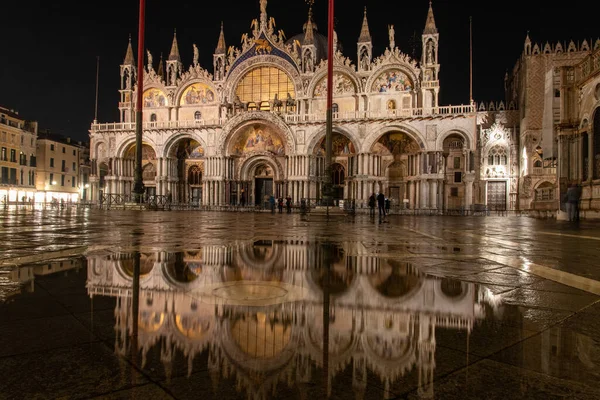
266 317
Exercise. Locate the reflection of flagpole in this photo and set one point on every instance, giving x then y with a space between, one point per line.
326 270
135 305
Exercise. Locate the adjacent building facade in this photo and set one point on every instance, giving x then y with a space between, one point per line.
58 169
557 91
18 156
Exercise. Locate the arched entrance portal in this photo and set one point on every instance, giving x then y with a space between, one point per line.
149 167
188 154
398 155
257 151
263 184
342 149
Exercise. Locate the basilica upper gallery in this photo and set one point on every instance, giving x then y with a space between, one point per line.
255 127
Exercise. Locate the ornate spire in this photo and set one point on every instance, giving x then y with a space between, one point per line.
129 54
308 27
221 48
430 27
174 55
161 72
365 35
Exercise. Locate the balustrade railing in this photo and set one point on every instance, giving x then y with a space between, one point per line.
294 118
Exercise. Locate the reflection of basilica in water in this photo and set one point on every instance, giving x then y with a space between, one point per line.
259 309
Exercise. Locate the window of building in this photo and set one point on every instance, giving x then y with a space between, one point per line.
51 162
51 179
456 162
335 108
64 150
337 174
263 83
454 191
497 155
63 166
52 147
22 140
4 175
152 117
13 155
22 159
4 156
32 161
556 92
74 167
21 180
74 181
457 177
13 176
62 180
195 175
74 152
197 115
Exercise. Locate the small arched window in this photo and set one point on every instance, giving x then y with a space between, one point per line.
335 108
537 164
194 176
197 115
153 117
391 105
497 156
337 174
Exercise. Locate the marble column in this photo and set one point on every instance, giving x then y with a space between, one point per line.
433 194
424 193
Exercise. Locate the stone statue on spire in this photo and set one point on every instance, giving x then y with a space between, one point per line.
150 68
196 55
263 13
391 35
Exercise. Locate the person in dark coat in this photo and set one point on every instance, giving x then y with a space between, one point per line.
372 205
381 205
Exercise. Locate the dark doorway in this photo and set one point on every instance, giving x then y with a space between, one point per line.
263 188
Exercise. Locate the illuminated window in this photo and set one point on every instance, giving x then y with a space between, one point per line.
497 155
262 84
197 115
335 108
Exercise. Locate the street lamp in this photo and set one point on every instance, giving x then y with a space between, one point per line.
138 184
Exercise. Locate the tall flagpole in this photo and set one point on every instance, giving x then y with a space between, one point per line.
138 184
97 74
327 192
470 60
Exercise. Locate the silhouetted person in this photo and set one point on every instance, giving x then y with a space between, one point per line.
381 205
372 205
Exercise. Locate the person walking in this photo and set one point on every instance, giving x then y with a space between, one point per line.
572 200
381 205
288 204
388 204
372 205
272 203
280 205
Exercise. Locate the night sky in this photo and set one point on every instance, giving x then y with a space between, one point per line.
48 62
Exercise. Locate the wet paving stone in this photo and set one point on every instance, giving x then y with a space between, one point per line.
116 305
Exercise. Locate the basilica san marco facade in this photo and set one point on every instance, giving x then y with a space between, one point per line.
256 126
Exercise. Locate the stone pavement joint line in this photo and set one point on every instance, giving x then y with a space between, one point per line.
565 278
569 235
